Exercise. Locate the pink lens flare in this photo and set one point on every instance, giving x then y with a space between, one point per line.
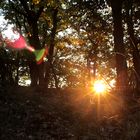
17 44
30 48
20 44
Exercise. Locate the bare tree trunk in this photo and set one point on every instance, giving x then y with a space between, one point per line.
33 74
55 77
133 41
51 49
121 66
36 71
17 70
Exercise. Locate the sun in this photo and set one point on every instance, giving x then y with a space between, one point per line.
99 86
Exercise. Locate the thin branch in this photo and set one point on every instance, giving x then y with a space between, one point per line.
39 12
18 24
17 10
25 26
25 6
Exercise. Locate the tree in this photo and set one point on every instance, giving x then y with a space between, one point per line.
133 39
31 17
26 15
121 66
85 43
87 19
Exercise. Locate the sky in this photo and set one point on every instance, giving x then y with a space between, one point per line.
8 28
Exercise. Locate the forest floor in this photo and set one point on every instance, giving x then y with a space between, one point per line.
30 114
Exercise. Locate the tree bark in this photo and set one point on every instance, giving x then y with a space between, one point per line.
36 71
121 66
32 16
133 41
51 49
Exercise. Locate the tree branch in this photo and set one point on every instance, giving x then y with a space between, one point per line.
25 6
17 10
39 12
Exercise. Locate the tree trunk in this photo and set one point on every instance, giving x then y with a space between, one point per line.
33 73
55 77
36 71
133 42
121 66
51 49
17 71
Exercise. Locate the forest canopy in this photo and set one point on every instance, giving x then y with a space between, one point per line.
87 40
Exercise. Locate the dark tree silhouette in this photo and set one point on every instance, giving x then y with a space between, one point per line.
121 66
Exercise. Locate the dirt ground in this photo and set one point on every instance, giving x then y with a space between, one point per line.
31 114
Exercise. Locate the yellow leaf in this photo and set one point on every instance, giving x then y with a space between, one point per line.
36 1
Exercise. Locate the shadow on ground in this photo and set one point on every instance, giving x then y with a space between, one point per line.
30 114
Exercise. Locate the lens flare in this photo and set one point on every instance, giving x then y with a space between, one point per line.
40 55
99 86
20 44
